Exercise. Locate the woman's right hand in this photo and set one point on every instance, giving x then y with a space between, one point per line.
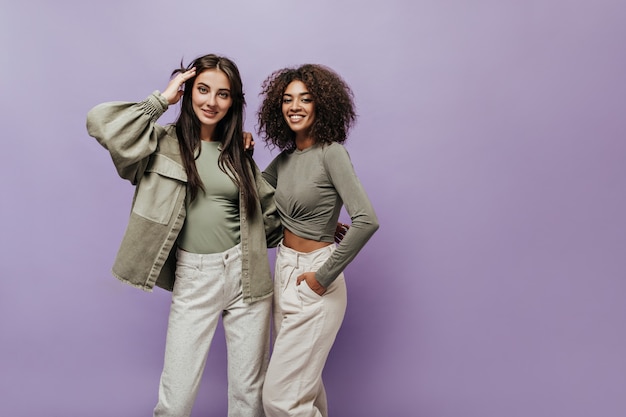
173 92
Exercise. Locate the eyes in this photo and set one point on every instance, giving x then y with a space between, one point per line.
303 100
224 94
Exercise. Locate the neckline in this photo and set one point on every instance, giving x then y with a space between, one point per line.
305 150
212 144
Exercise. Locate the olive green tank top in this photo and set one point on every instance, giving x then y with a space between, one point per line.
212 222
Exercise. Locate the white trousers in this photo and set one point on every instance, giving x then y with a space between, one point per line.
207 287
305 327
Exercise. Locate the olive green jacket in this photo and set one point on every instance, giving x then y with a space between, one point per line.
148 155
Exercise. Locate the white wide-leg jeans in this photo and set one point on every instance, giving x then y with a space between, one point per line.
207 287
305 326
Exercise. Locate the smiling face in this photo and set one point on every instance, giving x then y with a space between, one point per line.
211 99
299 109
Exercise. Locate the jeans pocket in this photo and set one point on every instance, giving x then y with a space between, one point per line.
306 293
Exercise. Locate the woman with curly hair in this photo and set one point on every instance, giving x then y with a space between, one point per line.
306 113
201 220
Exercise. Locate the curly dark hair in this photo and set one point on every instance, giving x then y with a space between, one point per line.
334 106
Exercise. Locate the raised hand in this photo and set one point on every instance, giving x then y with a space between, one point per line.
173 92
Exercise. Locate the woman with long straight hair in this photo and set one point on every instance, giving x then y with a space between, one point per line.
201 221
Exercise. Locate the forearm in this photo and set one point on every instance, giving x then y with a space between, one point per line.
361 230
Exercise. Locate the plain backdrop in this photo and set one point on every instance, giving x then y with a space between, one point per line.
491 141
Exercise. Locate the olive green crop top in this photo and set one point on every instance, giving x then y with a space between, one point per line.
311 187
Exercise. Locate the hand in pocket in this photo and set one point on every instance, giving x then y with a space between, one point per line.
309 277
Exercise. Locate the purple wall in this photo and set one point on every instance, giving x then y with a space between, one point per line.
491 141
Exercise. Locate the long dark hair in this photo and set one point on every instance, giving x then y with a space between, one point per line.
335 111
233 159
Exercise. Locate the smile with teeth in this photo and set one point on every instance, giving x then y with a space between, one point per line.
296 117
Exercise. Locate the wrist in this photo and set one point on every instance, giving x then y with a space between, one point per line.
318 285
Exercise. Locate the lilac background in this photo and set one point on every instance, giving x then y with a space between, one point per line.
490 140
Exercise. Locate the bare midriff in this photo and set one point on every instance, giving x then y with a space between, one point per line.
301 244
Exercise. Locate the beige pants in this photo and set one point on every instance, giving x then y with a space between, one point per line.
207 287
305 326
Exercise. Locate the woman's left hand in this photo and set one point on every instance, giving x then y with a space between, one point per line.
309 277
340 232
248 142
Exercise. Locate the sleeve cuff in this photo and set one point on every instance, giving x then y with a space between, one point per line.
155 105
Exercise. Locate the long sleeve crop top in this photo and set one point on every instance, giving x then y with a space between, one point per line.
311 187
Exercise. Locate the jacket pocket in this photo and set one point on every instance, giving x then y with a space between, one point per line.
158 190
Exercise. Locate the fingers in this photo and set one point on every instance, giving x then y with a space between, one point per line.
313 284
301 278
340 232
174 90
184 76
248 141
